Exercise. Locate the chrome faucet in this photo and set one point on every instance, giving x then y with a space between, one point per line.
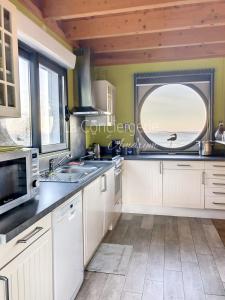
53 166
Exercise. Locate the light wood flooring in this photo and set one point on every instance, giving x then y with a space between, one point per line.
173 258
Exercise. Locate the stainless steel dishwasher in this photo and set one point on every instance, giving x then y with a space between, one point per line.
68 266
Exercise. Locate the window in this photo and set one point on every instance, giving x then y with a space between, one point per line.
173 109
52 107
18 130
43 100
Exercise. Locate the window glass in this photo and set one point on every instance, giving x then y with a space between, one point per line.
19 129
173 116
50 106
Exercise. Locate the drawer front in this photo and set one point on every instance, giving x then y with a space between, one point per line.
215 174
215 202
215 182
184 165
218 192
23 240
216 165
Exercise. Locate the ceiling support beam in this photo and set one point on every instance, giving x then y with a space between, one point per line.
73 9
195 36
150 21
158 55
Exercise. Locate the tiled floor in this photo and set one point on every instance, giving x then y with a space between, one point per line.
173 258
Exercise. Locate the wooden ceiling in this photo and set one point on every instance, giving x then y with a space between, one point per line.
135 31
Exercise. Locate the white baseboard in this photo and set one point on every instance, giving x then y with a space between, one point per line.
170 211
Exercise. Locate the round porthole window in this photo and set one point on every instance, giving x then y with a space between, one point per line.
173 116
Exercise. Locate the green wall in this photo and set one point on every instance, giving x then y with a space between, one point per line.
122 77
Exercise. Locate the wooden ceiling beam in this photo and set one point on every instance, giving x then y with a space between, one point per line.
164 54
52 24
73 9
195 36
149 21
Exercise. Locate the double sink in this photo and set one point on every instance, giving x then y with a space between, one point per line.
72 173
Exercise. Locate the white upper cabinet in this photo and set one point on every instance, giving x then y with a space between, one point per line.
104 94
9 89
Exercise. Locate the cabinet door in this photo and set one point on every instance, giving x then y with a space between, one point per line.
93 218
29 275
108 195
183 188
9 90
142 183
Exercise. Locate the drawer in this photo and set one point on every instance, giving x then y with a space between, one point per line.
215 182
184 165
218 192
14 247
215 174
215 202
215 165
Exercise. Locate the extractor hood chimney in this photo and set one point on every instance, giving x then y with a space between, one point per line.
87 105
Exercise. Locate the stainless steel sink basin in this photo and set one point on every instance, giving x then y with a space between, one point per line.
71 173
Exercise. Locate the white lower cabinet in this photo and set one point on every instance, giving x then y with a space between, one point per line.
98 204
183 188
108 199
93 212
29 275
142 183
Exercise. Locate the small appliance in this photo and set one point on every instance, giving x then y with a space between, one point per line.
116 147
19 177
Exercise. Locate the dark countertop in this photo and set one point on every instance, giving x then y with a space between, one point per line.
174 157
51 195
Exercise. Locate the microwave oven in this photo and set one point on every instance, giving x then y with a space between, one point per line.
19 177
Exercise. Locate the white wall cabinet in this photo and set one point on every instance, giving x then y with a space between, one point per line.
29 275
9 79
93 211
142 183
104 94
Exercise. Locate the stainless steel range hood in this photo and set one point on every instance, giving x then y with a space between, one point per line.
87 104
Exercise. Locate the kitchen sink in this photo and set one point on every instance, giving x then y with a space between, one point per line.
71 173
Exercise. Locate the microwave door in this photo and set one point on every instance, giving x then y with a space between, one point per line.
14 183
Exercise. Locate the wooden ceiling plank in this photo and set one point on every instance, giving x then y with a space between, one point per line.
72 9
52 24
195 36
173 18
158 55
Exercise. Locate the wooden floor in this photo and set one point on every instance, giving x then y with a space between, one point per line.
173 258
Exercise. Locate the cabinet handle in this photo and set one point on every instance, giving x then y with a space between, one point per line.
219 193
219 175
183 165
218 166
218 203
30 235
105 183
6 283
203 178
160 168
219 184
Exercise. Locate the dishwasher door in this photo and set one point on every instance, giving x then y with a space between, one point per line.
68 260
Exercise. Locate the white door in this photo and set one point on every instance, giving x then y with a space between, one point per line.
142 183
108 195
183 188
29 275
93 218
